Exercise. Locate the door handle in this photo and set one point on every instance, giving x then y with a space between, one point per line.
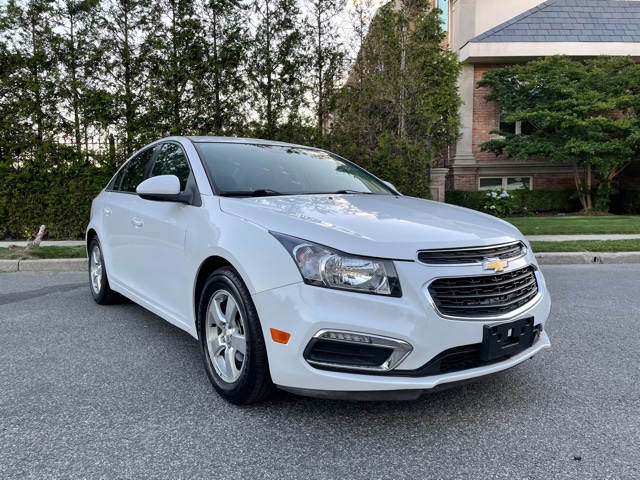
137 223
106 211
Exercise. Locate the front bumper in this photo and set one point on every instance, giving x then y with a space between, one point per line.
400 394
304 310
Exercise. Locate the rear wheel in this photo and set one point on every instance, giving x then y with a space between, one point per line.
98 280
231 340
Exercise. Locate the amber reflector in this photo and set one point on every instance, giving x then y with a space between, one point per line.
279 336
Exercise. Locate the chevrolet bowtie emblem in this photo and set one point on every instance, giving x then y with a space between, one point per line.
494 264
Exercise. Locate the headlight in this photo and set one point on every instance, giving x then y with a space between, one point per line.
325 267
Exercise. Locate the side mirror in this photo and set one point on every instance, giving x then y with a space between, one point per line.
164 188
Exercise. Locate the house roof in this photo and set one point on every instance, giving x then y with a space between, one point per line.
570 21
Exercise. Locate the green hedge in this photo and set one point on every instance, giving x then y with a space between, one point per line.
472 199
533 200
547 200
55 190
626 201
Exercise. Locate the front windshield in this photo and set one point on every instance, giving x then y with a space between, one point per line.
243 169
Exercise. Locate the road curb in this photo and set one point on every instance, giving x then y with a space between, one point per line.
569 258
51 265
9 265
585 258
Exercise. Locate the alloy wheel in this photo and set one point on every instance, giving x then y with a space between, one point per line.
226 339
95 269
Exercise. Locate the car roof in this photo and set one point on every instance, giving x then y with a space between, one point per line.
213 139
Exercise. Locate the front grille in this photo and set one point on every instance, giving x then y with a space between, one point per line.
455 256
486 295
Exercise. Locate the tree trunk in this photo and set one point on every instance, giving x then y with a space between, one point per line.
128 94
320 66
35 243
74 84
36 84
403 68
588 179
576 177
217 108
269 91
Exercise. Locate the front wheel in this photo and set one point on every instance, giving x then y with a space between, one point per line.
231 340
98 280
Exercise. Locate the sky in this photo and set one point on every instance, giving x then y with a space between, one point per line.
444 6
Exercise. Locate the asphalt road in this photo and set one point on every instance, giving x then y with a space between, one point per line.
115 392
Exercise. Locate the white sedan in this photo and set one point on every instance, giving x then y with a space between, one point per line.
296 269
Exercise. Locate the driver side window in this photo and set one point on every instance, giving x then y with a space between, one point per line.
172 161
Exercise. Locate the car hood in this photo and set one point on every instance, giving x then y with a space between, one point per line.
385 226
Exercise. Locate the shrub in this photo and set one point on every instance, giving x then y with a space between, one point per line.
499 203
547 200
465 198
626 201
527 200
57 192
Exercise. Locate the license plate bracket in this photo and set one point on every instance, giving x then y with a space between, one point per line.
504 339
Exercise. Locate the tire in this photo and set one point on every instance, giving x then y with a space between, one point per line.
231 340
98 280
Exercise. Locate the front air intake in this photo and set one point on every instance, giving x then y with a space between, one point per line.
353 351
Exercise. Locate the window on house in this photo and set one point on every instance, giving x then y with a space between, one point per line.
506 183
519 128
444 16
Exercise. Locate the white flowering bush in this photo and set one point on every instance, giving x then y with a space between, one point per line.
499 203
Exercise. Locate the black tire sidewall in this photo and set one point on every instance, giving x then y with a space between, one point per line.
243 389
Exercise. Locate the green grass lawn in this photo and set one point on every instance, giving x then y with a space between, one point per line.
577 225
20 253
587 246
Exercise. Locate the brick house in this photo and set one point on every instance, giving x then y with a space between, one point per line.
492 33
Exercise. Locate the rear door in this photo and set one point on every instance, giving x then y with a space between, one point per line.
120 200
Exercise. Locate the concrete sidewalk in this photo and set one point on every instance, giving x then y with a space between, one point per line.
567 238
572 258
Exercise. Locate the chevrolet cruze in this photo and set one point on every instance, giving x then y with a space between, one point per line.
296 269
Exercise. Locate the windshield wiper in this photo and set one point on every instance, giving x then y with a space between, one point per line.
353 191
261 192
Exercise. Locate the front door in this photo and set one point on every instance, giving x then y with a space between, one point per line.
157 249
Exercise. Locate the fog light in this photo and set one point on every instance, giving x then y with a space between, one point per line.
353 351
346 337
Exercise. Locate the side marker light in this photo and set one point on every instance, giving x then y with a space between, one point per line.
279 336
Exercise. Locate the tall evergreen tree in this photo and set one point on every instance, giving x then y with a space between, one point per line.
400 104
221 93
276 66
80 56
328 57
176 64
30 72
126 26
